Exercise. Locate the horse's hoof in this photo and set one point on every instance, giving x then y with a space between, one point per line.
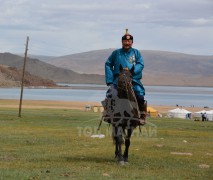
121 163
126 161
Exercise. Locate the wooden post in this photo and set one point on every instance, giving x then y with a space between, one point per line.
22 82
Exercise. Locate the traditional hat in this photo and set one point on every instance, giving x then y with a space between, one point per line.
127 36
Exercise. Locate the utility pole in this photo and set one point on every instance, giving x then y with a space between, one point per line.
23 72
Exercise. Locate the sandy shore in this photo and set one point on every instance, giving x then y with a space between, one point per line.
38 104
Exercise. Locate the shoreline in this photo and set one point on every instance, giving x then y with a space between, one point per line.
104 87
39 104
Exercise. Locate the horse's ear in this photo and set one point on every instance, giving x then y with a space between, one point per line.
121 67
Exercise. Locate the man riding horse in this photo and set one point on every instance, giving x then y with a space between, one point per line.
130 59
125 107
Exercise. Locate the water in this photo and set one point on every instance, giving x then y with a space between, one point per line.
81 85
182 96
155 95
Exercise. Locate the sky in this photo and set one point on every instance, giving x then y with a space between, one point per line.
63 27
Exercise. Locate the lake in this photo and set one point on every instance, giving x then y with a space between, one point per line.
155 95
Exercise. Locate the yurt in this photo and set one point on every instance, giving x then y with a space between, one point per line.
197 115
152 112
179 113
209 115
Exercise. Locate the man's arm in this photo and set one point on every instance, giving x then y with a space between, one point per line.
109 70
139 63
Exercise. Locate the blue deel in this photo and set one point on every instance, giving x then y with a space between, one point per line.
130 59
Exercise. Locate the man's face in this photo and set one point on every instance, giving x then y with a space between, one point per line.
127 44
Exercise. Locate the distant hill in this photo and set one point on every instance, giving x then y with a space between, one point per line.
12 77
161 67
86 62
48 71
40 57
155 61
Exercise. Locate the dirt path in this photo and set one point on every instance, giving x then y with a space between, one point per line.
47 104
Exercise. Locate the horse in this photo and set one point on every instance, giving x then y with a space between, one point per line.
123 113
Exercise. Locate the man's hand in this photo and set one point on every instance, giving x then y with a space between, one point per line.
113 90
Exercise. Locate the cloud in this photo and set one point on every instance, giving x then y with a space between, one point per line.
65 27
202 21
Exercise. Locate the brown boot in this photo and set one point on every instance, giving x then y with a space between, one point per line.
143 110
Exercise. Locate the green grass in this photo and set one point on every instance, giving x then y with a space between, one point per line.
56 144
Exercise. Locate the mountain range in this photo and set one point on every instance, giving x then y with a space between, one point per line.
12 77
48 71
161 67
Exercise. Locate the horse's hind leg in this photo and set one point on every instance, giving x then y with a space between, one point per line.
127 144
117 133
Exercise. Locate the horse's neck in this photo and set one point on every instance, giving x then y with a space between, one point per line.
128 93
122 94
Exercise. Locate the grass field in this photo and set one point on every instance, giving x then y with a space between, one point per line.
56 144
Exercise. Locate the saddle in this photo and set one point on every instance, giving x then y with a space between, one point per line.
119 111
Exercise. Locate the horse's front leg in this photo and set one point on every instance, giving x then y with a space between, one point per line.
118 131
127 144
